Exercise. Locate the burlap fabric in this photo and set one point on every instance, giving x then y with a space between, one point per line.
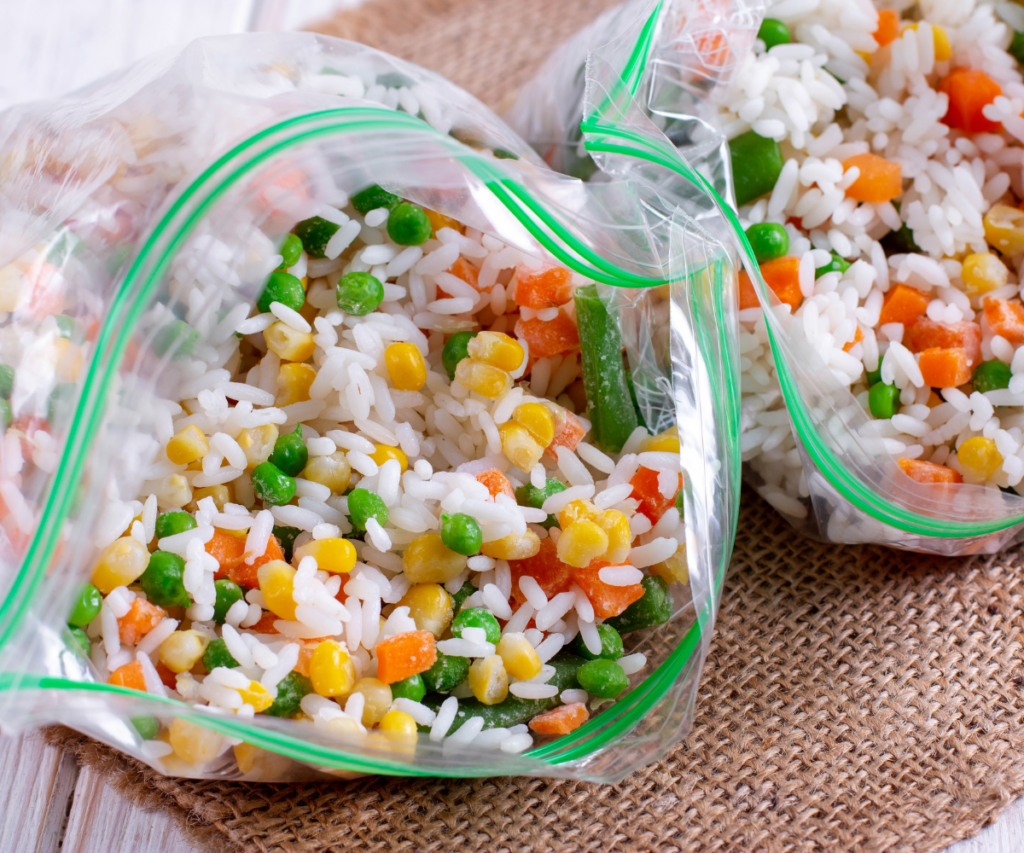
855 699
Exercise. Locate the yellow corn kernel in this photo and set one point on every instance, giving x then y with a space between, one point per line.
344 727
182 650
497 349
575 510
665 442
488 680
174 491
620 538
863 54
983 272
519 446
512 547
187 446
122 562
428 560
69 360
439 221
221 495
277 583
376 699
674 568
430 607
581 542
406 367
538 421
331 554
246 756
258 696
397 733
485 379
293 381
257 443
331 669
192 743
979 459
332 471
1004 229
382 453
289 344
519 656
941 41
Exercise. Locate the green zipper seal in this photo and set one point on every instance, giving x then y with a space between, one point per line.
146 271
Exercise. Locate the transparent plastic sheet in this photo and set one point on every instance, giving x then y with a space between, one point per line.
681 54
158 196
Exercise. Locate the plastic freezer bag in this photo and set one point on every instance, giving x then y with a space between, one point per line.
827 466
165 334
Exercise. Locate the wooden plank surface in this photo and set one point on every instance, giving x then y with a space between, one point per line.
36 782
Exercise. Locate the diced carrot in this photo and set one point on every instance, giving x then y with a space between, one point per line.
568 432
141 618
969 91
748 296
405 655
1005 318
549 337
466 271
496 482
227 549
245 575
879 180
783 277
281 183
607 600
653 503
552 575
903 304
888 27
929 472
542 287
168 676
560 720
129 675
944 367
858 336
265 625
925 333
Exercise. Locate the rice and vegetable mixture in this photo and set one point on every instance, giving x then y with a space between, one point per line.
382 504
877 161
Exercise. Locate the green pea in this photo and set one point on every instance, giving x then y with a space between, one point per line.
883 400
6 414
217 654
79 641
408 225
837 264
291 251
374 198
359 293
874 376
228 592
286 536
290 691
461 533
447 673
465 591
530 495
86 606
147 727
769 241
115 260
178 338
6 381
1016 48
602 678
315 233
502 154
282 287
61 402
163 580
364 505
611 644
756 166
177 521
409 688
653 608
455 349
991 375
773 32
679 503
65 325
899 242
290 454
477 617
272 485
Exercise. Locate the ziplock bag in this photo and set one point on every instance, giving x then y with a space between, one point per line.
142 217
836 480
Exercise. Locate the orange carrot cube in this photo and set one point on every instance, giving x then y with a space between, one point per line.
944 367
858 336
560 720
903 304
496 483
969 92
265 625
129 675
141 618
1006 318
879 179
405 655
925 333
227 549
466 271
548 337
748 296
653 503
244 574
929 472
568 432
607 600
888 27
552 575
543 287
783 277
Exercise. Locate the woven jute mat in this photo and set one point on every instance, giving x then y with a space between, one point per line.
854 699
